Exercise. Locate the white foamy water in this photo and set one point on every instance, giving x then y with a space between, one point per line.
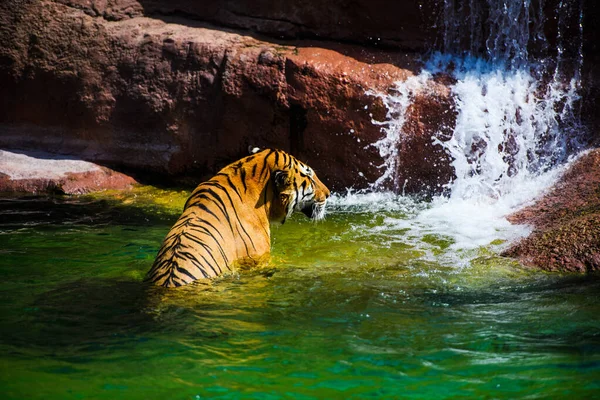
506 150
516 125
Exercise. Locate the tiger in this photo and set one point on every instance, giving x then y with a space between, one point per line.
226 220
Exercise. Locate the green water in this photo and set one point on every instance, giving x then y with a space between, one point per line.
345 309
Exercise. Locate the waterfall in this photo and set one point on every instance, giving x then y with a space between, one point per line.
516 97
516 100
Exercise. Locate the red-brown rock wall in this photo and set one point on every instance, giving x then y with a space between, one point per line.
406 24
185 100
174 96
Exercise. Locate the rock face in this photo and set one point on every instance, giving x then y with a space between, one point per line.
566 221
161 88
98 80
431 113
402 24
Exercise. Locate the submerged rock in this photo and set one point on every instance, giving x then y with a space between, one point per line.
566 222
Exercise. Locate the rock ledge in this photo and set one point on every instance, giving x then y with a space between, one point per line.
566 236
47 173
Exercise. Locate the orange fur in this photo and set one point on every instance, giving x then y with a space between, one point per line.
226 220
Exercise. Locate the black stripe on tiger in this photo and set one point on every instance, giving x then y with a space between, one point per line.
231 184
216 199
243 178
209 234
199 241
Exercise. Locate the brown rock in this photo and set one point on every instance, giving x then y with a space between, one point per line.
430 116
566 221
91 79
171 96
73 183
44 173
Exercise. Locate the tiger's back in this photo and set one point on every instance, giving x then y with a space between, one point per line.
226 220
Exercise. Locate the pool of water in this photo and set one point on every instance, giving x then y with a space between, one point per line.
359 305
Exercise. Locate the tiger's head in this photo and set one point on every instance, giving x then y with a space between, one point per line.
299 189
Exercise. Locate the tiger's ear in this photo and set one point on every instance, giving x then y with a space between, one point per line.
281 179
253 149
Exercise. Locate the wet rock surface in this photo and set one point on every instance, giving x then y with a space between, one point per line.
566 222
431 114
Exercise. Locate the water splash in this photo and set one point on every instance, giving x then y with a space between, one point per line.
510 130
396 102
517 124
